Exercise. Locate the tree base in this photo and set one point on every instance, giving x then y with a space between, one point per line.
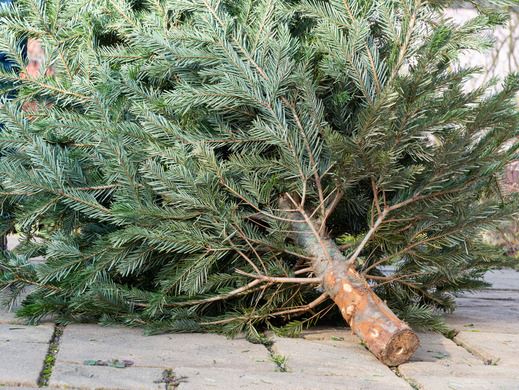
390 339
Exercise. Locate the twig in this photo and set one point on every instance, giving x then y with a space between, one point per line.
242 235
275 279
366 238
390 279
304 270
406 249
374 189
330 209
320 299
247 259
317 178
312 228
220 297
238 195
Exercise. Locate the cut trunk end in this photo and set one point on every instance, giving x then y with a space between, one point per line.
390 339
384 334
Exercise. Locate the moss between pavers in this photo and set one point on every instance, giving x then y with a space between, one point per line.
50 358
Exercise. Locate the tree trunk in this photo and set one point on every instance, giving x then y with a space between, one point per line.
391 340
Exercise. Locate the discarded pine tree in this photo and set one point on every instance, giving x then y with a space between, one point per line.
234 165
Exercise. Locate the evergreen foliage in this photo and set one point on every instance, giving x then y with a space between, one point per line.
149 176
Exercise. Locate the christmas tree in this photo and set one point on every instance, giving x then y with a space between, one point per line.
235 166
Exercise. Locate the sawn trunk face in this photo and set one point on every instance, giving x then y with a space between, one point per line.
390 339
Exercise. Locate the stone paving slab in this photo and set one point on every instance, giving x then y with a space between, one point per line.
488 330
429 376
488 321
8 316
84 341
441 364
437 349
495 310
477 314
151 356
493 348
213 379
335 354
18 388
491 294
189 378
503 279
79 376
334 360
22 352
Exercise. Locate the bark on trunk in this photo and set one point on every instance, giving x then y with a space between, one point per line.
391 340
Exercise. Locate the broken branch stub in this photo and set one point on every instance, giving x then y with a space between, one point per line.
390 339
